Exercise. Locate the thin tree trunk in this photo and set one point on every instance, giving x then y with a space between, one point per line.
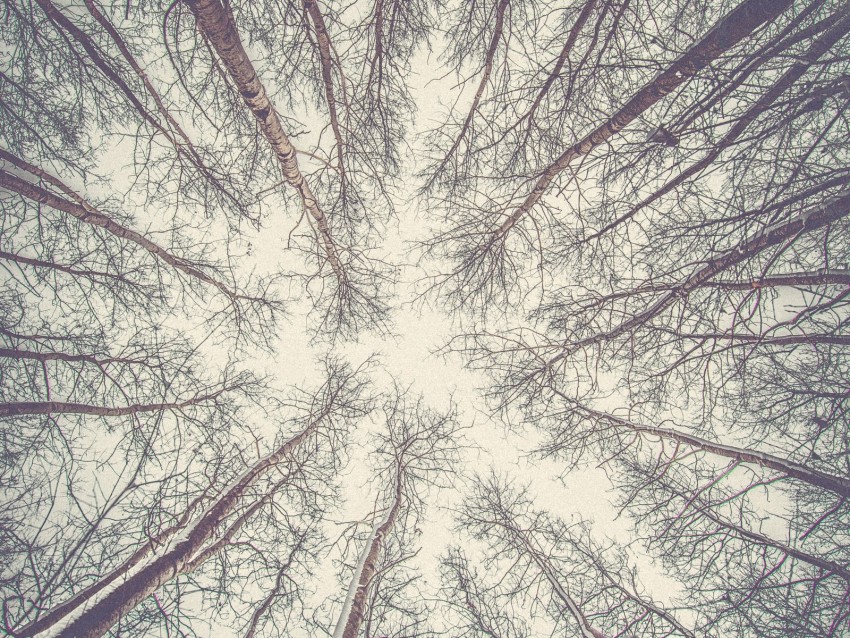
824 277
489 58
87 213
39 263
354 608
22 355
765 340
587 630
761 539
323 42
23 408
838 484
184 147
562 58
216 23
58 612
728 32
816 51
274 593
99 617
480 621
232 529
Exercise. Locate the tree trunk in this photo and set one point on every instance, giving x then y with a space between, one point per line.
838 484
99 617
817 50
728 32
354 608
216 23
87 213
22 408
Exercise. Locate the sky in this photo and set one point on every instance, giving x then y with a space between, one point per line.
413 353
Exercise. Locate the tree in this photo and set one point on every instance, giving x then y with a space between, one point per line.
489 260
417 450
638 219
214 510
536 561
686 308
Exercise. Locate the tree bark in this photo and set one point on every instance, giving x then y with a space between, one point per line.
60 611
99 617
728 32
838 484
183 146
489 58
215 22
761 539
587 630
354 609
21 355
816 51
765 340
23 408
323 42
87 213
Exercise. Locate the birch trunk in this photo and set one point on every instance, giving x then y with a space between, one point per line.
85 212
97 619
727 33
354 608
840 485
76 272
182 144
58 612
587 630
815 561
21 355
215 22
816 51
22 408
325 47
489 58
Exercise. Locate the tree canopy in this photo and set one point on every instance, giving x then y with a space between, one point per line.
625 223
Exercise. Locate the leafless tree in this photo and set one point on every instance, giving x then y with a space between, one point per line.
640 225
193 537
537 563
479 609
687 325
416 450
664 81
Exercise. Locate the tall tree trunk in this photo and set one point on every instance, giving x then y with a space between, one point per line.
215 22
96 620
354 607
182 145
489 59
85 212
560 592
816 51
838 484
760 539
22 408
58 612
29 355
728 32
325 49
